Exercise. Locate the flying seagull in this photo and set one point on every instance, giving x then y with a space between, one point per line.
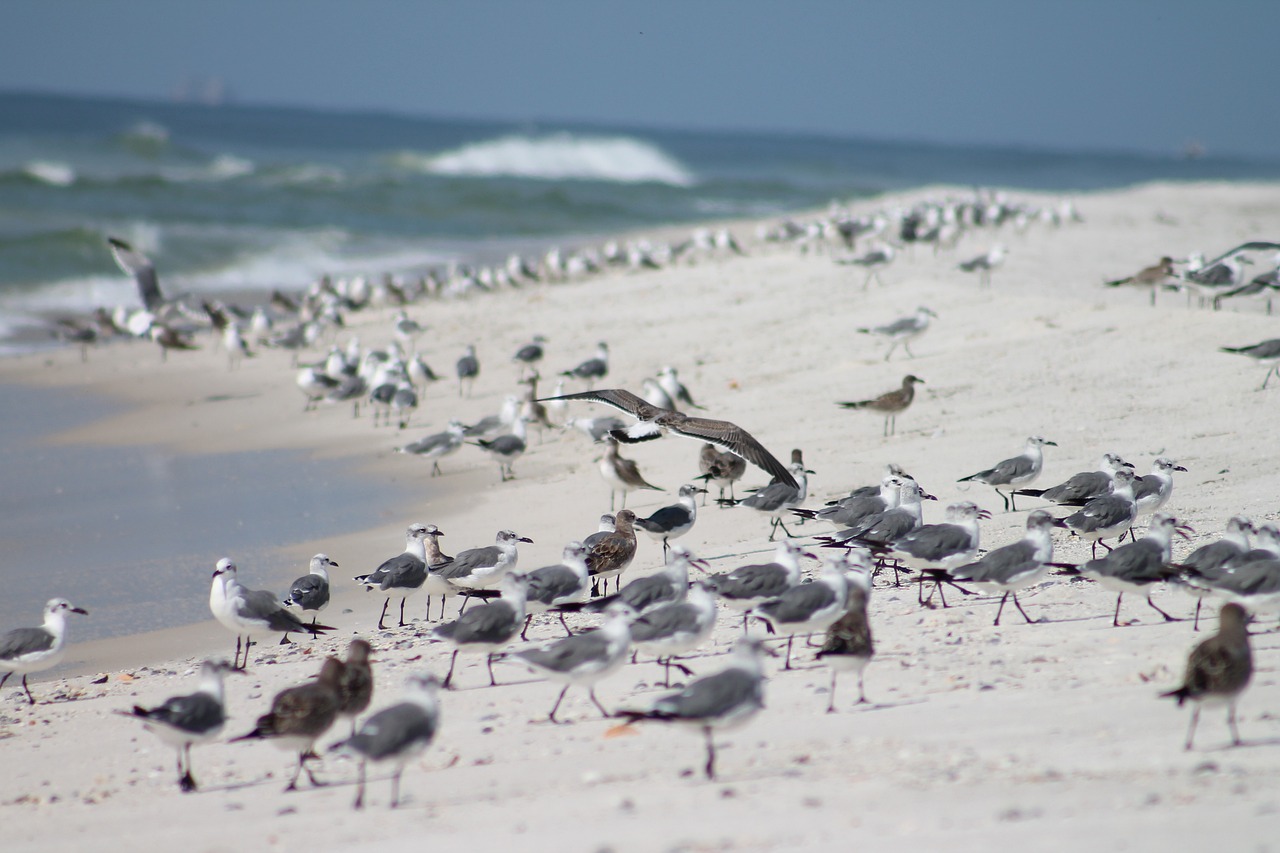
142 269
653 421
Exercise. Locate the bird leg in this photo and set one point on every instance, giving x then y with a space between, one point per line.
1115 620
1020 610
862 694
449 677
556 707
831 702
30 699
1231 723
1000 609
186 783
1195 625
359 803
711 754
524 633
592 693
395 787
565 625
790 639
382 627
285 641
402 622
1191 731
493 682
1166 616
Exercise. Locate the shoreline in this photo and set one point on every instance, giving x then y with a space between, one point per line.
1049 732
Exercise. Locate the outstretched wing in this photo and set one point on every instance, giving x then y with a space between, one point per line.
620 399
143 271
735 439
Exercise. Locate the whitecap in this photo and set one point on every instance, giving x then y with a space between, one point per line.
223 167
51 172
560 156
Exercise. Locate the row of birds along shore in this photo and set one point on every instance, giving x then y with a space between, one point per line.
880 536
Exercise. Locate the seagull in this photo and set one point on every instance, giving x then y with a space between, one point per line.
777 499
1267 352
674 521
467 368
1109 515
657 396
488 628
848 512
506 449
940 546
593 368
890 403
597 429
237 348
355 683
300 716
675 389
747 586
28 650
1199 569
139 266
169 338
726 699
622 475
885 528
1079 489
404 573
311 591
1138 566
872 262
848 645
1020 470
653 421
1152 492
482 568
397 734
585 658
666 585
984 264
677 627
1152 276
183 721
551 586
811 607
1218 670
720 469
1251 582
609 556
530 354
437 446
902 331
250 612
1017 566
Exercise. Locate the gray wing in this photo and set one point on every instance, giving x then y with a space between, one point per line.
1137 562
394 730
898 327
1100 513
771 497
645 592
467 561
1145 487
310 592
759 581
1005 472
143 271
713 696
430 443
468 366
1079 487
852 510
884 528
262 605
24 641
667 518
504 444
798 603
665 621
1001 565
935 541
407 571
197 713
570 653
1212 556
548 584
489 623
735 439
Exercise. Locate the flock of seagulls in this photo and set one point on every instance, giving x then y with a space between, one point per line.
671 612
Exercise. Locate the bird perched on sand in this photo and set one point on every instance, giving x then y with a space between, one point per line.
249 613
437 446
1139 566
609 556
622 475
311 591
848 646
300 716
1079 489
566 582
1016 566
594 368
721 469
355 684
405 573
777 499
1266 352
467 368
984 264
653 421
1106 516
1218 670
488 628
397 734
674 521
584 659
1157 274
183 721
811 607
1020 470
530 354
891 403
902 331
671 384
28 650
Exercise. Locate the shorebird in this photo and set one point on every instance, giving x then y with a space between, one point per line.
551 586
251 612
657 396
488 628
811 607
28 650
437 446
592 369
641 595
622 475
404 573
183 721
720 469
584 659
890 403
887 527
1138 566
1013 567
672 629
1020 470
675 389
777 499
747 586
355 682
530 354
902 331
167 338
1218 671
1079 489
596 429
939 546
397 734
653 421
139 266
1202 567
311 591
506 449
300 716
467 368
609 556
1267 352
482 568
674 521
316 385
1152 492
848 512
873 261
1107 516
236 346
1152 277
848 646
724 700
984 264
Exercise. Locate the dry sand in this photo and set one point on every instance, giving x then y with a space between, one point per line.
1042 736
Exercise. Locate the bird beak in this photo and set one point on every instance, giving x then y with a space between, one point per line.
1058 522
1185 530
1179 468
982 513
1128 465
768 651
335 565
807 471
810 555
927 497
699 491
1052 443
524 539
80 610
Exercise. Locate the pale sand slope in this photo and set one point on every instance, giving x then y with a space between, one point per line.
1047 735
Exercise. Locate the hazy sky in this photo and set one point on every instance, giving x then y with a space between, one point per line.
1111 74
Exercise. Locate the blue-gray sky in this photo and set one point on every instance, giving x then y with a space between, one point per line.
1103 74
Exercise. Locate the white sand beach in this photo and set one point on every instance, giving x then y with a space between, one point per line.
1041 736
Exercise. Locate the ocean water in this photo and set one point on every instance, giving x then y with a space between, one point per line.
254 198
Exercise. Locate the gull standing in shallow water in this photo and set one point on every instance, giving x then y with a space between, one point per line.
890 403
653 421
724 700
1218 670
251 612
28 650
397 734
1020 470
183 721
